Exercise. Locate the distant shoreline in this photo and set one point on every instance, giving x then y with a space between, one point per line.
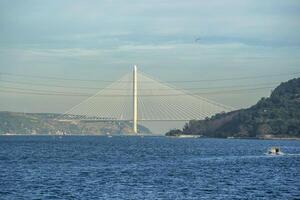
157 135
239 138
80 135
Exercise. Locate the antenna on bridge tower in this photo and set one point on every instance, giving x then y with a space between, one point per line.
135 103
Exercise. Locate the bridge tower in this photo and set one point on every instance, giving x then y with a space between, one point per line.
135 103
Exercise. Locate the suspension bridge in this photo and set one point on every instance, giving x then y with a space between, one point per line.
137 97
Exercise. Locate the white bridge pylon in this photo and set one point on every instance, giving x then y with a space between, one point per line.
137 97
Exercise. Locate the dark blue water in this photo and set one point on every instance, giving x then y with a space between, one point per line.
146 168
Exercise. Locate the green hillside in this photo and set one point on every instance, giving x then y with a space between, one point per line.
44 123
276 116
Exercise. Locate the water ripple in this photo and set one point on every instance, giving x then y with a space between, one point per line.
146 168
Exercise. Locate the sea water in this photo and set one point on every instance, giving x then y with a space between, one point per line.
119 167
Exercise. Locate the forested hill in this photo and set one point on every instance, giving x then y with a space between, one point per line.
276 116
43 123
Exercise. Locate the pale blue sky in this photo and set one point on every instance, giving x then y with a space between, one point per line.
169 39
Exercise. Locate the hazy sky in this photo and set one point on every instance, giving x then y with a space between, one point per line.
168 39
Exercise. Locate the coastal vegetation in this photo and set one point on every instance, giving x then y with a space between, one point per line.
46 123
277 116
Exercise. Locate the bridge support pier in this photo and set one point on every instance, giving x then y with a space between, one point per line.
135 103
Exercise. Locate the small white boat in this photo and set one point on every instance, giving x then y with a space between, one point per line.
108 134
274 151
